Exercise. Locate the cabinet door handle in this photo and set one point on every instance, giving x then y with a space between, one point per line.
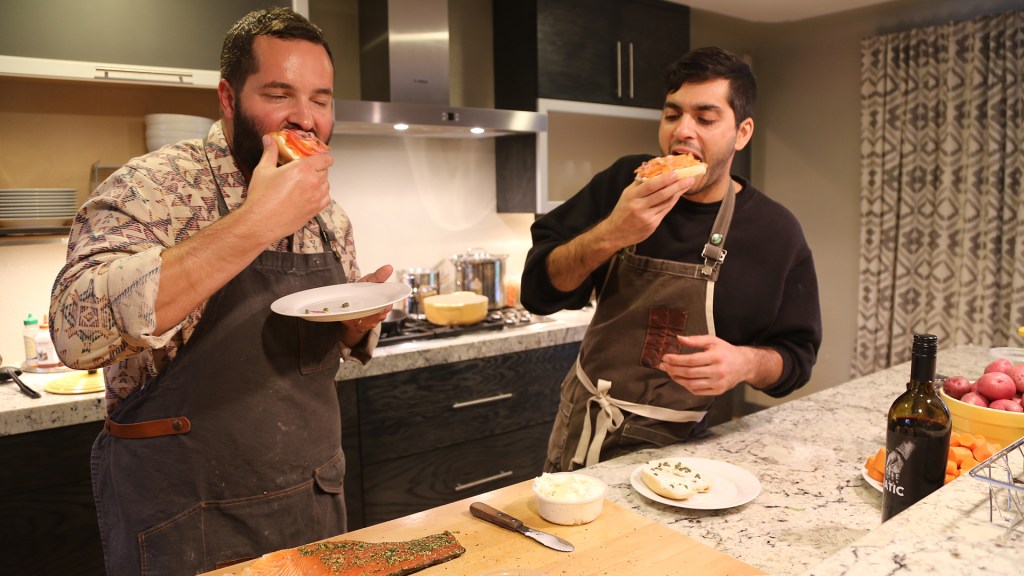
478 401
166 77
503 474
630 70
618 69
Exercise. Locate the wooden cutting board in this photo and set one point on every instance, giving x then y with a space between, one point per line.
620 542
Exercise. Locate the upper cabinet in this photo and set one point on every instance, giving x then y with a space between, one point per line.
136 41
601 51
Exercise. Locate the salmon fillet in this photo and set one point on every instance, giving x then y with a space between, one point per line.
355 558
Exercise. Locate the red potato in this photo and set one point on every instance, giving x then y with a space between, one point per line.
975 398
996 386
1007 405
1017 375
956 386
1000 365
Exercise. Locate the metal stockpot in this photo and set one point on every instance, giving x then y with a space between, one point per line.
482 273
424 283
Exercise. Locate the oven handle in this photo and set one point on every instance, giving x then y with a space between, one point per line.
478 401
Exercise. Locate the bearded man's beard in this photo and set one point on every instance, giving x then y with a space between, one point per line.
247 141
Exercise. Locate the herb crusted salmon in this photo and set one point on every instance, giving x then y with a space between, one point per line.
355 558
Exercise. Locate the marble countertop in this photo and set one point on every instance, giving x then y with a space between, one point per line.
815 513
20 414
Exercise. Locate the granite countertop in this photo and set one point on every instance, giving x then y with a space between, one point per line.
815 513
20 414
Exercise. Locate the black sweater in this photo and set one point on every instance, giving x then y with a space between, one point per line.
767 290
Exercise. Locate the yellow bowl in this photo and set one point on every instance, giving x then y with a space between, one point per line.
999 426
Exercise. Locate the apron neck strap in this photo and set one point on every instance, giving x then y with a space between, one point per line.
714 250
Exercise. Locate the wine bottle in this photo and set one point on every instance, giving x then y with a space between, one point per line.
917 435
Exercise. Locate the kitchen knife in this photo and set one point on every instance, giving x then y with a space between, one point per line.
499 518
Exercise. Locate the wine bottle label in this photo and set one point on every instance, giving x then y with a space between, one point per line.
914 468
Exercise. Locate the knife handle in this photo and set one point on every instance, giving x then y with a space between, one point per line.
494 516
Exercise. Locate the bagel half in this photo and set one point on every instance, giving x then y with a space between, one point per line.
295 144
673 479
683 164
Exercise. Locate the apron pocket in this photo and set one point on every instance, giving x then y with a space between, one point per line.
663 325
240 529
330 476
319 346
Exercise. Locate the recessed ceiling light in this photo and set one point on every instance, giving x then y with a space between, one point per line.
476 130
401 126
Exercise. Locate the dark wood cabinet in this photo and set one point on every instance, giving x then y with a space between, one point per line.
49 519
602 51
426 437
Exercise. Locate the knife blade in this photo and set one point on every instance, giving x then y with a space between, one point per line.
499 518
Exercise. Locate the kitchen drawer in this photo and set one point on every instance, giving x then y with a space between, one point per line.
420 410
422 481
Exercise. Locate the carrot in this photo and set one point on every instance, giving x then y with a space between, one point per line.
968 440
958 453
984 451
880 462
951 468
949 478
968 463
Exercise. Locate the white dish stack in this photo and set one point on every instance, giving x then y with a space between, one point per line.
37 207
164 129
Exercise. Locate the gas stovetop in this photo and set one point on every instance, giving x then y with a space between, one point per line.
412 329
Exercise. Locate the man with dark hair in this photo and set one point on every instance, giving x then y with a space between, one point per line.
223 433
676 322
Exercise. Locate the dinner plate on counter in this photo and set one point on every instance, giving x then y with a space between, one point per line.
730 485
341 301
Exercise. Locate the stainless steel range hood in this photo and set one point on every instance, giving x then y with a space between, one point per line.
405 77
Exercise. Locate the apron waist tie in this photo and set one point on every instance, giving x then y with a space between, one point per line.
150 429
588 451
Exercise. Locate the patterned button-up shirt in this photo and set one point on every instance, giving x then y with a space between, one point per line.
103 303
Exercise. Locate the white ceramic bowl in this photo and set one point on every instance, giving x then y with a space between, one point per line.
569 498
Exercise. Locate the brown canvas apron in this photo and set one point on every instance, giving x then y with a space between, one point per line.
645 303
242 451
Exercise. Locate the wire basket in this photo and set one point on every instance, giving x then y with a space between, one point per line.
1004 473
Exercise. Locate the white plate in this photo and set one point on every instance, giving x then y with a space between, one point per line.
871 481
730 485
341 301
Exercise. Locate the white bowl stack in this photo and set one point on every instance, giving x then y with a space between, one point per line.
37 207
164 129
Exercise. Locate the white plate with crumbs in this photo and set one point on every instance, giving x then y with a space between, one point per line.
341 301
730 485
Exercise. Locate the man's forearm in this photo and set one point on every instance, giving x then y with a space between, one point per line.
191 272
765 367
570 264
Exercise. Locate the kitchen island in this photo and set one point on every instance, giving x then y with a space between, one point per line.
815 514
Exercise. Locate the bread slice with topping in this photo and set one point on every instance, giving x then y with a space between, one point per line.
674 479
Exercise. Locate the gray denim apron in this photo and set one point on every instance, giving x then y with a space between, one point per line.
234 450
644 304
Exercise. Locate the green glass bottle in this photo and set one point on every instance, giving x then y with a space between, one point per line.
917 434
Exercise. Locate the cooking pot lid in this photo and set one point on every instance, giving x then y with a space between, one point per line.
478 255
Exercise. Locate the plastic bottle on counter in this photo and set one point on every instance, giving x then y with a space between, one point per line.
917 435
46 353
29 336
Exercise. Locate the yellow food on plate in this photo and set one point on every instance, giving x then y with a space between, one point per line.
674 479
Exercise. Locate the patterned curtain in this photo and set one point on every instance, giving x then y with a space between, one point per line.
942 206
